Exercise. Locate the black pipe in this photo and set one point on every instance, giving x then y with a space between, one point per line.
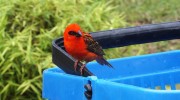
138 35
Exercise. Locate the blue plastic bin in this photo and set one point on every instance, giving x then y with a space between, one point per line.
147 77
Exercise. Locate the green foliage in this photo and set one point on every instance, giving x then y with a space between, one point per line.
149 11
27 28
140 12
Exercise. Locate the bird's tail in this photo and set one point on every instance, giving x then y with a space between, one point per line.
103 61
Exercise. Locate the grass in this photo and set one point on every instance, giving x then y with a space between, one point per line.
146 12
27 28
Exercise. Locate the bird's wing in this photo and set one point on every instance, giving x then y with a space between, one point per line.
92 45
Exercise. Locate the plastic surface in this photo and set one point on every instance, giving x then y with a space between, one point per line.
60 86
117 38
133 78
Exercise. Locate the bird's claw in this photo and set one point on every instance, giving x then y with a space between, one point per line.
75 65
81 69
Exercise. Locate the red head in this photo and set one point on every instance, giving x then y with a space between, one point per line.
73 31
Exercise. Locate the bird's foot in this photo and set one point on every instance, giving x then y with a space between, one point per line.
75 65
81 69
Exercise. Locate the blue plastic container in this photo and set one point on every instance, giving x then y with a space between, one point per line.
147 77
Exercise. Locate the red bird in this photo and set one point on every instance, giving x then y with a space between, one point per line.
82 46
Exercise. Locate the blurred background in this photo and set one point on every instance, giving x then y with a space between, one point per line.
27 28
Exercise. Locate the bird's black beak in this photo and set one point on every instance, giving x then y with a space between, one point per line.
79 34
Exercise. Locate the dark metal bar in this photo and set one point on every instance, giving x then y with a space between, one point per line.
138 35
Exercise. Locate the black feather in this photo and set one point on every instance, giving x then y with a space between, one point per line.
93 46
103 61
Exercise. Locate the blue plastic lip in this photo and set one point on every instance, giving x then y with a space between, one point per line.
144 75
57 84
57 71
112 90
142 56
127 86
132 87
128 61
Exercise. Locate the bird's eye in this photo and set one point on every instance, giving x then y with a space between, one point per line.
72 33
